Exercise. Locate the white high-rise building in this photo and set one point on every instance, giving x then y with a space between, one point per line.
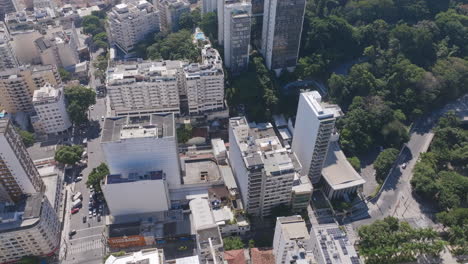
290 240
8 58
51 111
204 82
144 88
264 169
315 121
131 22
281 33
139 144
234 26
28 228
208 6
18 175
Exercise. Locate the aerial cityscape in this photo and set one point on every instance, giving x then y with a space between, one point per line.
233 131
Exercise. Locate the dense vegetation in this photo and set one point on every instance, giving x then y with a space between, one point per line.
94 25
79 100
383 163
27 137
391 241
69 155
96 176
231 243
457 234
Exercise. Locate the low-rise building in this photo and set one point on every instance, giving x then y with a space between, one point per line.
136 193
131 22
330 245
290 239
148 256
30 227
51 112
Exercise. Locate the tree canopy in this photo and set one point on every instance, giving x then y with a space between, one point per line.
231 243
174 46
96 176
79 100
27 137
384 163
69 155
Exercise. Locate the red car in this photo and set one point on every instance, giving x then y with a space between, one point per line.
75 210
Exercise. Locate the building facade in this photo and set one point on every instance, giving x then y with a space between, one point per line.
59 48
8 58
208 6
17 86
281 33
145 88
8 6
171 11
301 193
234 29
29 228
315 122
131 22
204 82
18 175
290 237
51 111
264 169
140 144
150 256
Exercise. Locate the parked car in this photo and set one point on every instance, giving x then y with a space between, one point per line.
79 178
84 219
403 166
72 233
75 210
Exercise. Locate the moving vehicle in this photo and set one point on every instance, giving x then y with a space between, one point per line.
79 178
75 210
77 196
102 118
76 203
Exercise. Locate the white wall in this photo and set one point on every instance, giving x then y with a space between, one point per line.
143 155
137 197
239 170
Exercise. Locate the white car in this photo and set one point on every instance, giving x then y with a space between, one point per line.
102 118
403 166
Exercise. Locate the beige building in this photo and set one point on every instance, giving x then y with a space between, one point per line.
28 228
170 13
17 86
8 58
290 242
51 112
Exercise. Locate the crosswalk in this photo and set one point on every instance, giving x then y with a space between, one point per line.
79 247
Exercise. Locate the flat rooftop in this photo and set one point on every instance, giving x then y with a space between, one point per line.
337 171
322 110
30 207
133 177
201 214
201 171
293 227
131 127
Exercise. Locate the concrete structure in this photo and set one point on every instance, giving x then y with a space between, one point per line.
204 83
145 88
234 29
131 22
330 245
8 6
290 238
59 48
301 193
315 122
135 193
170 12
146 256
206 231
28 228
208 6
340 178
18 175
281 33
53 179
51 111
26 20
8 58
142 144
17 86
264 169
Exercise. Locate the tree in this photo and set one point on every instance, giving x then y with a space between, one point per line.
184 133
190 20
355 162
96 176
29 260
251 243
209 25
79 100
64 74
69 155
384 163
391 241
232 243
175 46
27 137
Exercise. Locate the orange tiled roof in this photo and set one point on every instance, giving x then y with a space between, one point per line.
235 256
262 256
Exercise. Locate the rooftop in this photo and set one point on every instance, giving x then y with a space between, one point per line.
133 177
22 214
143 71
260 256
146 256
132 127
322 110
337 171
201 214
301 184
293 227
235 256
46 93
201 171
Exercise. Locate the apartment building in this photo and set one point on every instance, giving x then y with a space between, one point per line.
30 227
145 88
234 29
264 169
131 22
139 144
315 122
204 82
51 112
8 6
301 193
136 193
290 240
17 85
59 48
208 6
8 58
281 33
170 13
18 175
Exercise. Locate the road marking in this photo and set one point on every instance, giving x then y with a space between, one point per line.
77 230
74 239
